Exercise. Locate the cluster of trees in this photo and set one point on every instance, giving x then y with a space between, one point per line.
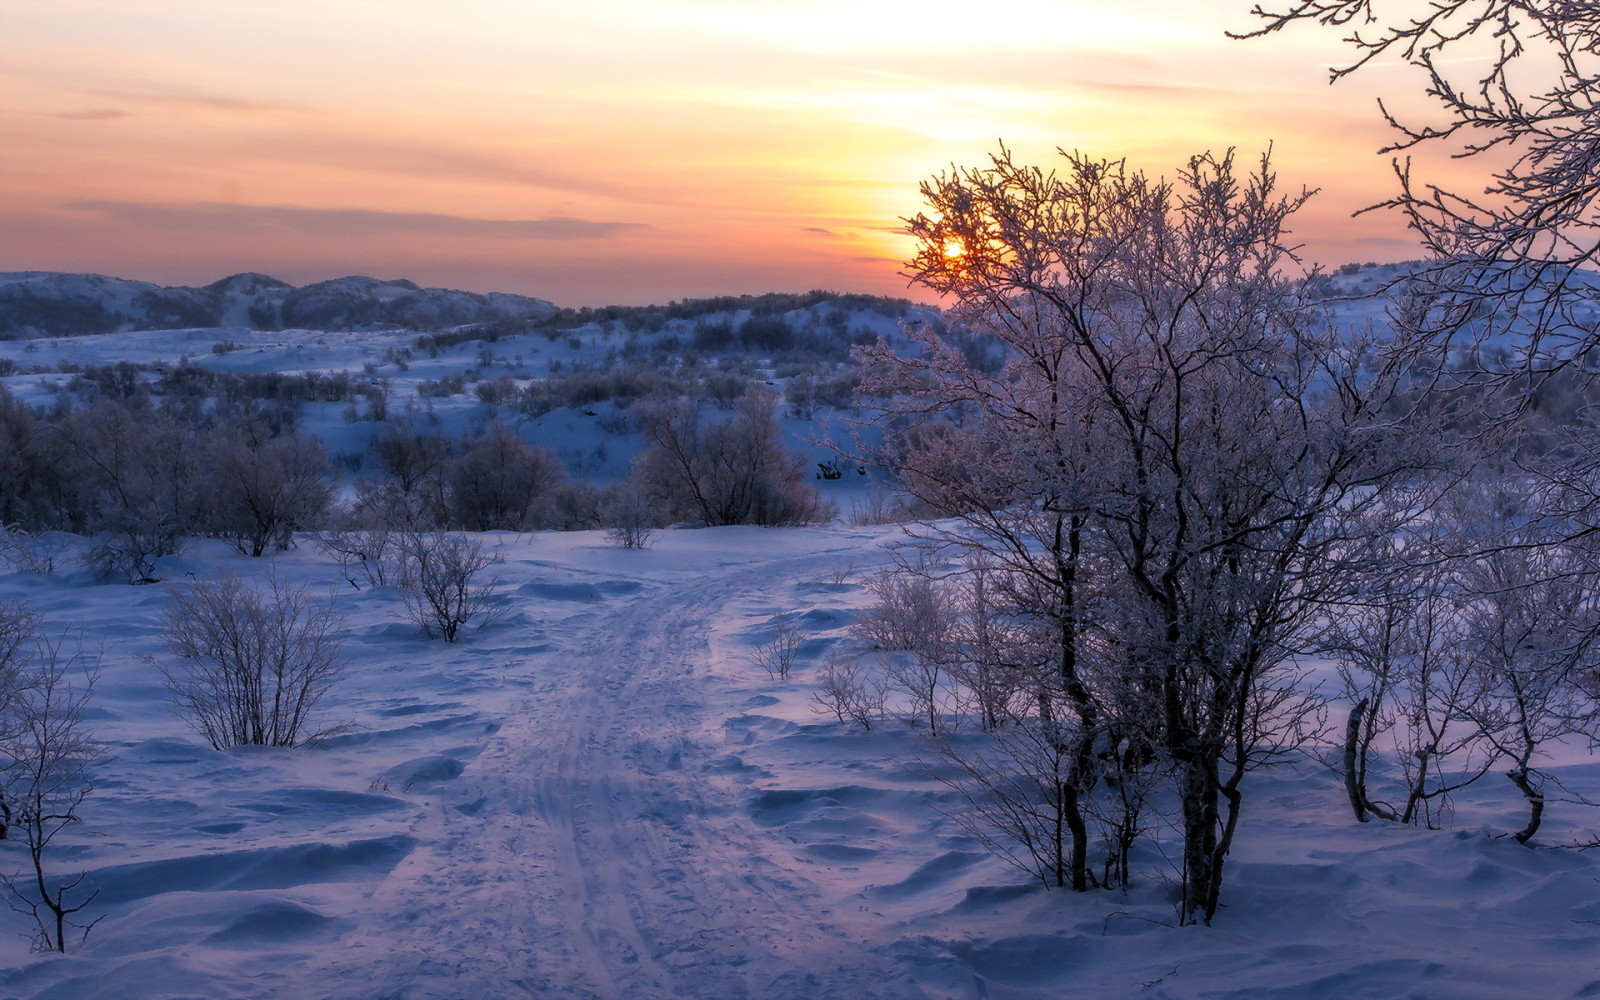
1179 478
1477 653
139 479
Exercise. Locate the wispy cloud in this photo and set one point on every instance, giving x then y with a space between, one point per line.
87 115
346 222
438 160
201 101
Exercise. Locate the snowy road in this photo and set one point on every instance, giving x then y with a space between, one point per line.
598 848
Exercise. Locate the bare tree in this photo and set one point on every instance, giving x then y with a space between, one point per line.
725 471
1516 82
250 665
776 654
1173 431
444 586
1530 622
29 551
46 753
263 489
33 469
134 472
501 483
629 518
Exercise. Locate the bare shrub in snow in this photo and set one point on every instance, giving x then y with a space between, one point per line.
29 551
911 619
777 653
248 665
849 691
369 551
445 588
910 613
46 753
629 518
877 506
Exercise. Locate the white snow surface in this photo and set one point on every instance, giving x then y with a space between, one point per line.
602 796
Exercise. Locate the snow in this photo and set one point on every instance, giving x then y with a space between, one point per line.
603 796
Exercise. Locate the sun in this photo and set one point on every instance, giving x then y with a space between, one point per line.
954 248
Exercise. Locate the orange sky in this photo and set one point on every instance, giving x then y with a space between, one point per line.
617 151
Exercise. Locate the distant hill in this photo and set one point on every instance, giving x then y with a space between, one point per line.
53 304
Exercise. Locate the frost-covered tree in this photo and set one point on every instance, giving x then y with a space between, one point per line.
733 471
133 472
1174 439
262 489
1516 85
499 482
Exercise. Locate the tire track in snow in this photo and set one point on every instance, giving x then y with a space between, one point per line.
591 851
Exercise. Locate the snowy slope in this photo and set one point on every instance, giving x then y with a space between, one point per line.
602 796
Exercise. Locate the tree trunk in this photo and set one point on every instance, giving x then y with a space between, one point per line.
1202 881
1352 774
1535 796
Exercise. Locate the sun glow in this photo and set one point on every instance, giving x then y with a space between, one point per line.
614 150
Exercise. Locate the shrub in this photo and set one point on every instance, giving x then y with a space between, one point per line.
444 586
250 665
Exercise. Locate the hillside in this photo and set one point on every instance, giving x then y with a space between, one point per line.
51 304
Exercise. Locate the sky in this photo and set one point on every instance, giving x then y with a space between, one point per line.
622 151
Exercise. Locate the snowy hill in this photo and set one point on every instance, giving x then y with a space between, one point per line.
48 303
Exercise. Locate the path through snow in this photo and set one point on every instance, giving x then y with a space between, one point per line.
598 847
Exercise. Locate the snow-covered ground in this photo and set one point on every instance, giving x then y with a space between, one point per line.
603 796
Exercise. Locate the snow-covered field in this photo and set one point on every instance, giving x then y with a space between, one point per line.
602 796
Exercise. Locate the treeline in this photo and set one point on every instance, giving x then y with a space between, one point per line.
138 477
